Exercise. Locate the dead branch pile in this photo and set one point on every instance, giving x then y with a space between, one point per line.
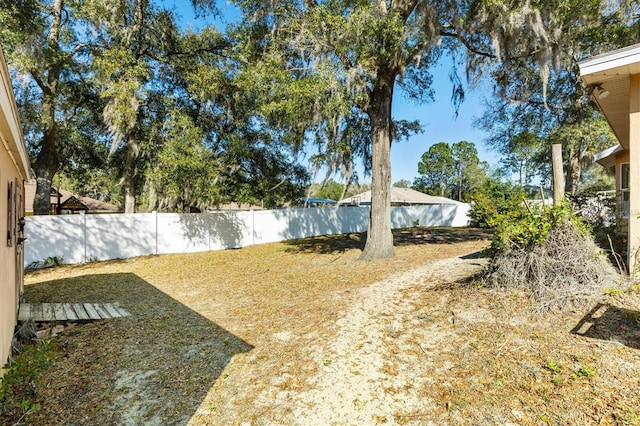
563 271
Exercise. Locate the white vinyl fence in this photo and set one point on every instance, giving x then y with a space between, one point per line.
83 238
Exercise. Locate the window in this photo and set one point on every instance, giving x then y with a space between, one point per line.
10 215
624 190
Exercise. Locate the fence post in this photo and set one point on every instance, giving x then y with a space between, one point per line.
155 220
84 235
209 229
253 227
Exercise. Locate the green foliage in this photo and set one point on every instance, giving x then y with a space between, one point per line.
552 366
529 114
450 170
22 379
519 225
49 262
437 170
530 227
331 189
495 202
402 183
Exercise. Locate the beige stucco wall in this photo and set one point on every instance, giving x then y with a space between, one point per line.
14 167
8 311
634 171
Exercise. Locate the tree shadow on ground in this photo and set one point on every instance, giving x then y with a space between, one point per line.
330 244
154 367
611 323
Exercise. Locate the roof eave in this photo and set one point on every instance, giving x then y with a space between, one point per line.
15 141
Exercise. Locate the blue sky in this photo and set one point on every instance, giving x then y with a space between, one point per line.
438 117
439 124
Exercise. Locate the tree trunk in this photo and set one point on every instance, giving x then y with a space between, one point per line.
153 197
129 173
45 168
379 237
46 164
574 172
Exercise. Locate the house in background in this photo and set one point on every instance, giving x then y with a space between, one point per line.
15 169
399 197
613 78
66 202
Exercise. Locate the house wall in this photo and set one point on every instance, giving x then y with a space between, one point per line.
622 223
8 291
14 170
633 239
82 238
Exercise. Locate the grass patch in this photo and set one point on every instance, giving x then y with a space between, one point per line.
236 336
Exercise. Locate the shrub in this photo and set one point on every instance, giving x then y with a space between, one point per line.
530 227
22 379
495 202
552 255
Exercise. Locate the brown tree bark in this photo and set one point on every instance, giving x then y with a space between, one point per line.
46 164
379 243
574 172
129 173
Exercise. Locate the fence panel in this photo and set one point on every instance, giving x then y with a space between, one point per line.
119 236
81 238
61 236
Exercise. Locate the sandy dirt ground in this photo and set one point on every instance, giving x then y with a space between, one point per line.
369 364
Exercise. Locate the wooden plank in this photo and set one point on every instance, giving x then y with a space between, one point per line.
36 311
91 311
47 312
58 312
80 311
25 312
123 311
69 312
111 310
101 311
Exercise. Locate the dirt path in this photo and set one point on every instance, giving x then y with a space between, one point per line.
369 364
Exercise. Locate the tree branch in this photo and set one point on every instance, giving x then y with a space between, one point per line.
448 32
38 79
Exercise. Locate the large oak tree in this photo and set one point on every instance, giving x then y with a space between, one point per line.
363 50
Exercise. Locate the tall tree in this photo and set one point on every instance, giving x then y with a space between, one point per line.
131 40
43 48
529 115
450 170
249 157
437 169
522 155
361 51
468 170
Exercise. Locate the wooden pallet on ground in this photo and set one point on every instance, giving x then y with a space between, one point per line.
47 312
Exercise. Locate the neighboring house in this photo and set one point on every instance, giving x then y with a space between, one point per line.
14 171
399 197
66 202
613 79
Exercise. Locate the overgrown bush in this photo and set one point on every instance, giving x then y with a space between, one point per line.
494 202
21 381
528 227
549 253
